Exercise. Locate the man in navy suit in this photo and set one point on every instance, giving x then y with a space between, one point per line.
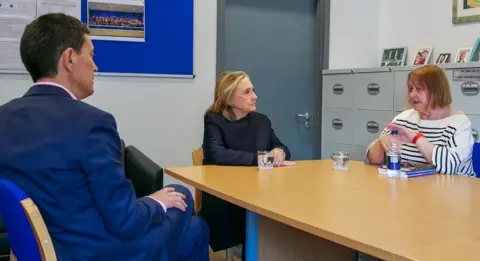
66 155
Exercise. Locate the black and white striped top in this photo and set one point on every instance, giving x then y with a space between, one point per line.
452 139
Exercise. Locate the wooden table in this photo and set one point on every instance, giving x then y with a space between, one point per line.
431 218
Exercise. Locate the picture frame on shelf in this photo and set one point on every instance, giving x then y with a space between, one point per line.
443 58
465 11
475 53
422 55
395 56
463 54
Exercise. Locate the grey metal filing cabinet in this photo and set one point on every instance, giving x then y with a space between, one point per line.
337 113
400 90
465 83
358 103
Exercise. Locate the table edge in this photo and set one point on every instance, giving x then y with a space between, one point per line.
339 239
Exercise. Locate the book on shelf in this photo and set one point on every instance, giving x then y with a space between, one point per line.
410 169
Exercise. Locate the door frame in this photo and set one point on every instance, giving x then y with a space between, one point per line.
322 44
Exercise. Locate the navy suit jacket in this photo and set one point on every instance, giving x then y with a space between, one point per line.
66 155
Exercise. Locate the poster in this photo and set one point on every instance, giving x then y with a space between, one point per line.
14 16
69 7
117 20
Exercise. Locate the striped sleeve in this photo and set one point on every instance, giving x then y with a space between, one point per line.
449 157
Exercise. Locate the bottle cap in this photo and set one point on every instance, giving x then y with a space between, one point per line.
394 132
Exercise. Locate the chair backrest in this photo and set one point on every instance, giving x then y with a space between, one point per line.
476 159
27 234
197 160
197 156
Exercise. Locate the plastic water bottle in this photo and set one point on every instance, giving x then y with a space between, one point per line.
394 155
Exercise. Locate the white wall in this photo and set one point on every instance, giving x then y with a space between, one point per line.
161 117
354 31
414 23
360 29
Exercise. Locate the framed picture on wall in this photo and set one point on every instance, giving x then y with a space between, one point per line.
465 11
393 56
443 58
463 54
475 53
422 55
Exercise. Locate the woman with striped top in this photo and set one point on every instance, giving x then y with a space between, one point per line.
432 131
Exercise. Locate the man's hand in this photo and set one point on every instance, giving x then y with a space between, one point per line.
170 198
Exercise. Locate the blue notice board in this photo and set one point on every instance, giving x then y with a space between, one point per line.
165 47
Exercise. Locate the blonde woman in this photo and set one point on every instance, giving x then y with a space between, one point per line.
432 131
233 134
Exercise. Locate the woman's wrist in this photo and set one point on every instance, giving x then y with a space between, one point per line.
417 136
282 153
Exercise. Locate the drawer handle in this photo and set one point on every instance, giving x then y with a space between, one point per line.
372 127
337 89
337 124
470 88
475 134
373 88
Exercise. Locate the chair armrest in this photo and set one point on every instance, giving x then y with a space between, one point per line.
4 245
122 144
146 176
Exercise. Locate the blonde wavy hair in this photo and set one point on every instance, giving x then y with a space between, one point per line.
225 89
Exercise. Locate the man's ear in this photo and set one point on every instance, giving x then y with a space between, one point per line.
68 59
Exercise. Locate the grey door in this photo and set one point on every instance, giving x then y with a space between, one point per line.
274 41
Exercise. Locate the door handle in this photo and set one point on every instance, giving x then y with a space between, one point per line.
305 115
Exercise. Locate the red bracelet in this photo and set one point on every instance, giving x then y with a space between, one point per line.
418 136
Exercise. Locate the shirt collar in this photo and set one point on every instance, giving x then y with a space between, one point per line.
57 85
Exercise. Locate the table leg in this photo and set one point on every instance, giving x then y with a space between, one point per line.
251 244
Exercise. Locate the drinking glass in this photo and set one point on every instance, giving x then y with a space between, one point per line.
265 161
340 160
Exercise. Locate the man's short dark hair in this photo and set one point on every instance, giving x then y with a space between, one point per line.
46 38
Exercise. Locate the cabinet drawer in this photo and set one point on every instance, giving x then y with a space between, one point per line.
356 152
337 125
465 93
400 90
337 91
374 91
369 125
328 148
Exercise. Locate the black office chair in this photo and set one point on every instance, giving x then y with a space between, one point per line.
4 246
146 176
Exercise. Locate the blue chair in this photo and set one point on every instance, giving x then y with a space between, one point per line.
476 158
27 234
